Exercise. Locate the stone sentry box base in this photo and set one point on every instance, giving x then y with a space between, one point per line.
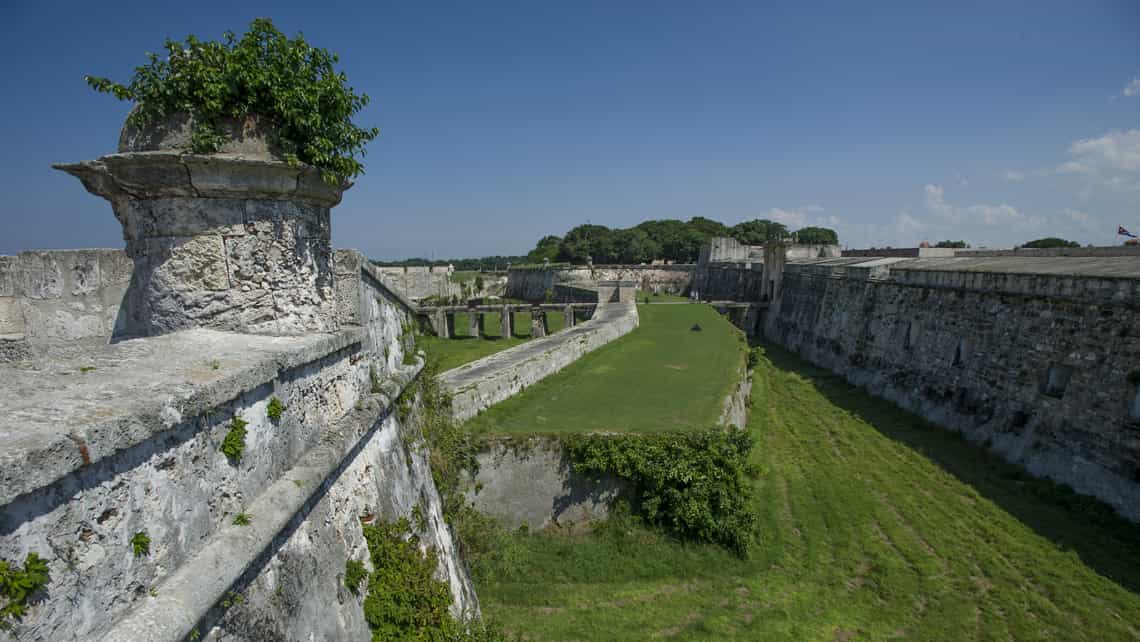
237 240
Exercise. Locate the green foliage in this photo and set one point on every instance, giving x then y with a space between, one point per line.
140 544
755 355
404 600
479 283
231 599
195 634
759 232
546 249
816 236
233 446
243 519
1050 241
693 483
275 409
18 585
263 73
354 574
548 296
952 244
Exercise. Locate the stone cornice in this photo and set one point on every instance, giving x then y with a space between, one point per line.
163 174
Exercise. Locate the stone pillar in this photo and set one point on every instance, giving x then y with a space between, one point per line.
514 324
537 323
505 323
568 312
474 323
236 241
442 327
450 324
545 324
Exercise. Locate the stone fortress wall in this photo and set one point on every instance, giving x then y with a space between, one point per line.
530 284
1037 358
122 381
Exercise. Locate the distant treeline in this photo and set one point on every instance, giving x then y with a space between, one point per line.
667 239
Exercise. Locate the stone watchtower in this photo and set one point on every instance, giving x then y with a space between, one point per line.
236 240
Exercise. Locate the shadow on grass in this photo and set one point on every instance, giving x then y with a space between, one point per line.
1105 541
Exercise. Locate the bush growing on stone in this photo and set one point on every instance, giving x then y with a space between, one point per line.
233 446
263 73
692 483
243 519
18 585
275 409
140 544
354 573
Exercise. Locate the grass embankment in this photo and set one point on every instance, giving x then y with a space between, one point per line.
662 376
643 297
873 525
464 348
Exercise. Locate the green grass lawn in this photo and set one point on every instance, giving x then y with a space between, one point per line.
661 376
874 525
452 353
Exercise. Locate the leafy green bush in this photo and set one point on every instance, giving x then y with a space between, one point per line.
275 409
140 544
263 73
404 599
354 574
692 483
17 585
233 446
243 519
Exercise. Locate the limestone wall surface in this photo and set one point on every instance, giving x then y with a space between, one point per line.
420 282
729 281
532 483
487 381
51 298
531 284
1038 361
111 440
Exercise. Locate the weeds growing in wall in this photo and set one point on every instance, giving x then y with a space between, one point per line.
694 484
233 446
18 585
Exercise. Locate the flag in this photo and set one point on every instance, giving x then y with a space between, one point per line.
1123 232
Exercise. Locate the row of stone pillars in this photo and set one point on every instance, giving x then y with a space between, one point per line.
444 322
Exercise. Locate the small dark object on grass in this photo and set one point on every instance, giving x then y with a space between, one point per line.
696 328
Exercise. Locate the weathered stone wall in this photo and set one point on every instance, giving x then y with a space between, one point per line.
1040 367
131 443
531 285
729 282
480 384
531 482
420 282
52 298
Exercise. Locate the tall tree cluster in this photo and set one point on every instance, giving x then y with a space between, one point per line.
669 239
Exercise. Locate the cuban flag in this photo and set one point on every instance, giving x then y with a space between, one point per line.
1123 232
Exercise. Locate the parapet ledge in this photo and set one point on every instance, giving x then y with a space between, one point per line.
76 410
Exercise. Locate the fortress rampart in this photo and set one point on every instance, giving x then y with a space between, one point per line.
1038 358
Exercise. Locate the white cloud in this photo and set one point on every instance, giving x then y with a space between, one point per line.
1109 162
1132 88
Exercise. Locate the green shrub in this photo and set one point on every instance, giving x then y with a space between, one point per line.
18 585
243 519
275 409
264 73
233 446
404 599
140 544
354 574
692 483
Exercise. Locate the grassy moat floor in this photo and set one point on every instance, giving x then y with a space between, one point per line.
873 525
665 375
464 348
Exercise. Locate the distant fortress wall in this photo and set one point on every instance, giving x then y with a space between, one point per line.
1038 360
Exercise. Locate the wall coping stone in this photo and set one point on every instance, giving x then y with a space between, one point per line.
59 418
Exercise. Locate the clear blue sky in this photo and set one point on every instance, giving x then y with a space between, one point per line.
502 122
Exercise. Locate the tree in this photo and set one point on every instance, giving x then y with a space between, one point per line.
547 248
1050 241
817 236
706 227
758 231
583 241
634 246
954 244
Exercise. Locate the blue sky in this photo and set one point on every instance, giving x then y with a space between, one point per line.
996 122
